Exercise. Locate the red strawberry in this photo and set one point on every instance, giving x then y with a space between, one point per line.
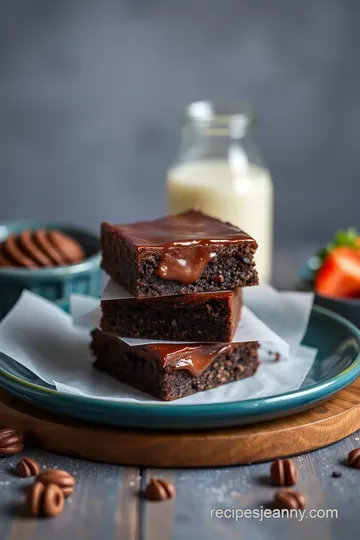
339 275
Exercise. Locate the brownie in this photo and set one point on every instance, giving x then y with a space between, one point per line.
180 254
203 317
169 371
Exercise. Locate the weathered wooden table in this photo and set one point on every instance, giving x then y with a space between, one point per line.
106 503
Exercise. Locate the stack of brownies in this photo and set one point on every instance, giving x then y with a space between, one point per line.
185 273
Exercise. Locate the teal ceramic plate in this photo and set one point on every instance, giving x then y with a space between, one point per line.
336 366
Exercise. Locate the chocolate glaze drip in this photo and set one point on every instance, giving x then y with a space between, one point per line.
193 358
183 262
40 249
187 241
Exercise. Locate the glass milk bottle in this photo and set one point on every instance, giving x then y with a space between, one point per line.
219 171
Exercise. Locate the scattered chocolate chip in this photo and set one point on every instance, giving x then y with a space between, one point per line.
27 467
336 474
63 479
283 472
288 498
159 490
11 442
219 278
45 500
354 458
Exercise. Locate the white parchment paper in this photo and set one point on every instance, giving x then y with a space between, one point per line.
269 316
39 335
250 328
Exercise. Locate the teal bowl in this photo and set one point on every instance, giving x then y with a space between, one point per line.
52 283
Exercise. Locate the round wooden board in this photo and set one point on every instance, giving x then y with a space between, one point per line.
324 424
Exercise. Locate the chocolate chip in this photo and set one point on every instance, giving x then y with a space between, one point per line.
219 278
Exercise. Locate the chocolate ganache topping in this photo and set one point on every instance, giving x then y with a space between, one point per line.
192 358
185 262
40 249
188 242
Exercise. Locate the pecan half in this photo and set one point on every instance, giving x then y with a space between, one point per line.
27 467
11 442
63 479
354 458
45 500
159 490
288 498
283 472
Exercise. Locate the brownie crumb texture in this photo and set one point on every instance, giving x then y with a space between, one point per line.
140 369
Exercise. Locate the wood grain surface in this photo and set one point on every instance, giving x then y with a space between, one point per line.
105 496
106 502
324 424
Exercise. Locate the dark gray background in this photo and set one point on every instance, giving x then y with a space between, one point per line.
91 93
